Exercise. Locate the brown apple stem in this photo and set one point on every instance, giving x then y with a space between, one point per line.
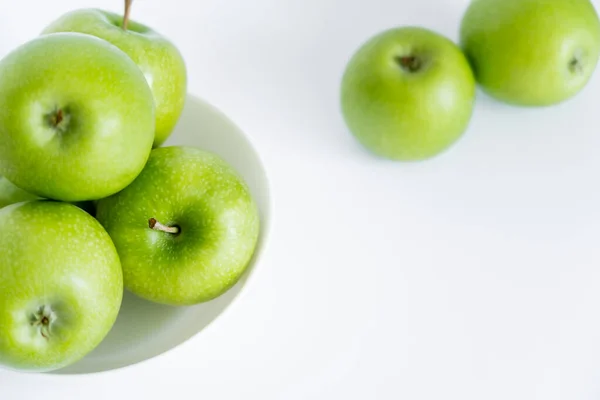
157 226
409 63
58 117
127 13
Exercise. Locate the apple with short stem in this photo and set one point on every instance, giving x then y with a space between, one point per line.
157 57
185 229
408 94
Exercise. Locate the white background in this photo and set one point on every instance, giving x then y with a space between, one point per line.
475 275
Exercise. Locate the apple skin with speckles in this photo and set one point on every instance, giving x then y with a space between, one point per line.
185 229
77 120
158 58
61 285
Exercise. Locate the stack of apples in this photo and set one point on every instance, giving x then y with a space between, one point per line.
408 93
93 202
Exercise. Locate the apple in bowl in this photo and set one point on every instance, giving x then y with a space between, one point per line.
157 57
61 285
185 229
67 131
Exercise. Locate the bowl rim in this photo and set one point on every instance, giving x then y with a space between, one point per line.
249 280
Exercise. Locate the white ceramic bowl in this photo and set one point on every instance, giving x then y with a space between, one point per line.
145 330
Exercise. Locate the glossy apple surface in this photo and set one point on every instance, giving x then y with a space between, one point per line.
61 285
185 229
408 94
78 118
157 57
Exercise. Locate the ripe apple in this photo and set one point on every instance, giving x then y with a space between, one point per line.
61 285
408 94
77 120
531 52
158 58
185 229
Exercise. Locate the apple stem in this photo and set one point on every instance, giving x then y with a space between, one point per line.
409 63
157 226
58 117
127 13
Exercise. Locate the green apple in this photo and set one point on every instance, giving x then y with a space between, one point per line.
532 52
61 285
11 194
408 94
77 120
158 58
185 229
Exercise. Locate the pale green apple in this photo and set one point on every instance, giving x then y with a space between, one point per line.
185 229
11 194
158 58
532 52
408 94
61 285
77 120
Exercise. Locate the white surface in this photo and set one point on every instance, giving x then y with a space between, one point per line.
472 276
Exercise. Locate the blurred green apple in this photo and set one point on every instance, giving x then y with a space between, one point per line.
158 58
77 120
531 52
408 94
61 285
185 229
11 194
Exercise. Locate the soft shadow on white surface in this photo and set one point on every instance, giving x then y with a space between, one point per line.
144 330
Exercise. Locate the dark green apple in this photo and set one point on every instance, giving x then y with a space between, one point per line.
157 57
532 52
185 229
408 94
76 120
61 285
